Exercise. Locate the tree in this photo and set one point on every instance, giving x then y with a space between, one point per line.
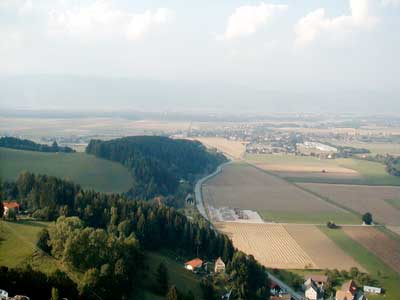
172 293
54 294
162 278
11 214
1 208
367 218
43 240
189 296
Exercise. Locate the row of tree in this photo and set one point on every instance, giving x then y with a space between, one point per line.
22 144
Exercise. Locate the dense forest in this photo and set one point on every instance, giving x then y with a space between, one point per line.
20 144
158 164
105 237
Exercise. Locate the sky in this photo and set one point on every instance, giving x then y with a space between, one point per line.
190 54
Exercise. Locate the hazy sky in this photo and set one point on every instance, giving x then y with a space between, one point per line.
293 46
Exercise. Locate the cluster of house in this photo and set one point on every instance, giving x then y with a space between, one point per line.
314 288
8 205
196 265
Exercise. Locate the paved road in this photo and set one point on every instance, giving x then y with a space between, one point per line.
199 195
202 210
283 285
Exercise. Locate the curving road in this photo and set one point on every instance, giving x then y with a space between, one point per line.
198 194
201 208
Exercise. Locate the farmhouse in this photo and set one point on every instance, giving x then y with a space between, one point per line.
194 264
320 280
219 265
349 291
312 291
10 205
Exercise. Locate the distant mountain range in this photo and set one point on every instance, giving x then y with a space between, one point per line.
100 93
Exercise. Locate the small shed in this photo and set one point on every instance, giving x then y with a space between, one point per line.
372 289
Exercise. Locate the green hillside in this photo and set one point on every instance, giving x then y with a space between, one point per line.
84 169
17 248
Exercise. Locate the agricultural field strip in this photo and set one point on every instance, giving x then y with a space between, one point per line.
270 244
360 199
378 243
238 182
233 149
324 252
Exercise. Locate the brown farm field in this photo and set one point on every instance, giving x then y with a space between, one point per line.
362 199
233 149
270 244
246 187
378 243
323 251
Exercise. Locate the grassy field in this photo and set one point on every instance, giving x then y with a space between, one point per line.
87 170
17 245
183 279
375 148
311 218
394 202
388 278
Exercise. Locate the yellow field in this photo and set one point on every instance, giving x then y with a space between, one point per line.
271 245
233 149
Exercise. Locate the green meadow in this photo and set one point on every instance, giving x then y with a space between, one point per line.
88 171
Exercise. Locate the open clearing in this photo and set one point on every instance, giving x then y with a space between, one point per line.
378 243
362 199
17 245
184 280
270 244
86 170
323 251
233 149
246 187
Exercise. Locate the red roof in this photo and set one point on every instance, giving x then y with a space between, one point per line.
195 263
11 204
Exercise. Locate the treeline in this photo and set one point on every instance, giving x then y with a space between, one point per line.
105 237
36 284
392 163
20 144
158 164
155 226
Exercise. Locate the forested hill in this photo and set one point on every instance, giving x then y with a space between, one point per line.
20 144
157 163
